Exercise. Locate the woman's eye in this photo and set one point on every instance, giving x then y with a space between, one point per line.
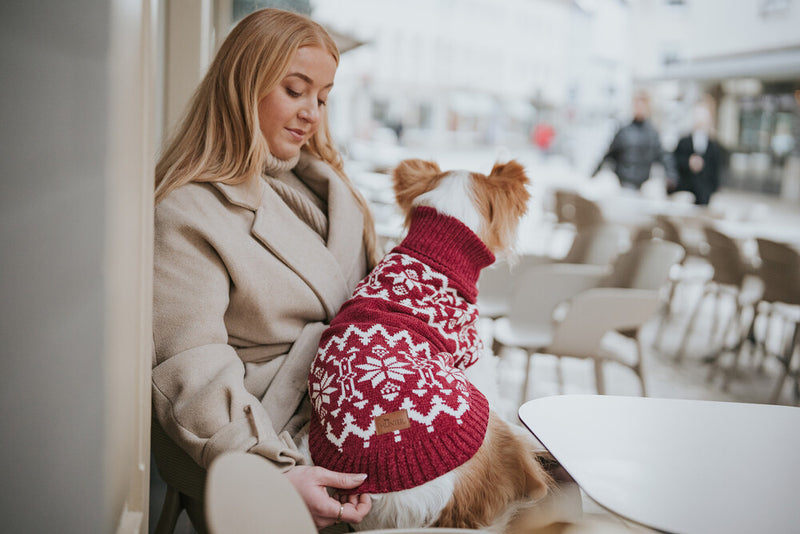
292 93
321 102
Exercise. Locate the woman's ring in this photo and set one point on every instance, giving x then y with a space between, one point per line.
339 517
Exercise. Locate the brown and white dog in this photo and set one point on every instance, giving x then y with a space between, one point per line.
388 387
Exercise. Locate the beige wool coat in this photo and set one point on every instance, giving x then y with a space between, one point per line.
242 291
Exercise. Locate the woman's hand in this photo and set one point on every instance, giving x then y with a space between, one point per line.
311 482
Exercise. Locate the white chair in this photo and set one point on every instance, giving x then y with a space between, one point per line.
552 304
537 292
594 313
599 244
246 494
594 245
494 290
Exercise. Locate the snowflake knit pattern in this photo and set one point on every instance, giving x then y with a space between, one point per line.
387 386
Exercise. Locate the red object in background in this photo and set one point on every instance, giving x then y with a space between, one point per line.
543 134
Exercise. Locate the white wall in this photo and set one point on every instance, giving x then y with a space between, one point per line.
703 29
741 26
51 228
64 171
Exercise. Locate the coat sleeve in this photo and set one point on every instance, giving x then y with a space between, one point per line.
199 396
681 156
612 154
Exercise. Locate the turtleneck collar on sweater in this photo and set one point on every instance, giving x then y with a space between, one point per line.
274 166
449 244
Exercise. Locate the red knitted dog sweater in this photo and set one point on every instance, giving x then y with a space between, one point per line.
387 384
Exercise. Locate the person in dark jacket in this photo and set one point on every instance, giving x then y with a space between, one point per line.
635 147
697 158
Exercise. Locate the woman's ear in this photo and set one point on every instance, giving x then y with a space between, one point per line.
411 178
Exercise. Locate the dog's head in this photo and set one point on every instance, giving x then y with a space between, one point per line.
491 206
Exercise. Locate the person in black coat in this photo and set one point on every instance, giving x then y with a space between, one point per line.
635 147
698 158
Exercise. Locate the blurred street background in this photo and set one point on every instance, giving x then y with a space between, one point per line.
466 83
559 76
92 87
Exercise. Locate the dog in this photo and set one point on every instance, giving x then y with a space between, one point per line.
389 394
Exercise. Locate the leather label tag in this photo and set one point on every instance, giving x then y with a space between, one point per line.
392 421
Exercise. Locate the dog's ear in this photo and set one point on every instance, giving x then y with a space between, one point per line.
506 197
510 174
411 178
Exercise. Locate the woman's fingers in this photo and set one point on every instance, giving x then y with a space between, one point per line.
311 482
336 480
355 508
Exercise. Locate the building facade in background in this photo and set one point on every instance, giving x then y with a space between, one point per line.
744 57
445 73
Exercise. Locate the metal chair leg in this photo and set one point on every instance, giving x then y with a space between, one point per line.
681 352
170 512
639 367
787 361
527 378
599 378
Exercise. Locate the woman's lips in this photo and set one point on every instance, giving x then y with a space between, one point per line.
297 135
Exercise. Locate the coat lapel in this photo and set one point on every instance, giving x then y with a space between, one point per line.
324 268
344 215
302 249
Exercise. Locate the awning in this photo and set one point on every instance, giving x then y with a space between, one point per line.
778 64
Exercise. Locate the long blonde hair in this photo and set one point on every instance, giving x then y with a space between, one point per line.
219 138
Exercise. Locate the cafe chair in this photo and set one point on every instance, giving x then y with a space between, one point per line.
246 494
594 313
733 278
573 212
537 291
598 244
692 269
790 369
494 290
779 270
496 283
683 197
548 305
646 265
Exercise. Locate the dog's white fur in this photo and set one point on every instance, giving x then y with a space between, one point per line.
453 196
410 508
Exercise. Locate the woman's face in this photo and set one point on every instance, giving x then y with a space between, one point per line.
290 114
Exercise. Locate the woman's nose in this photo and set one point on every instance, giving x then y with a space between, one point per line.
309 113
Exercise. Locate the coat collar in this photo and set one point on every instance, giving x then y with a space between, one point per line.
245 195
326 268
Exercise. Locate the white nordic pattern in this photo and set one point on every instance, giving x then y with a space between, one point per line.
437 387
427 294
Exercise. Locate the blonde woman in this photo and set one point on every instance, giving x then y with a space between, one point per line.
259 238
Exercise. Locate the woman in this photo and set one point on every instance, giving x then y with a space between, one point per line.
259 238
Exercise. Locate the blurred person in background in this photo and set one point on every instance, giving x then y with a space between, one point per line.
543 135
636 147
698 159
